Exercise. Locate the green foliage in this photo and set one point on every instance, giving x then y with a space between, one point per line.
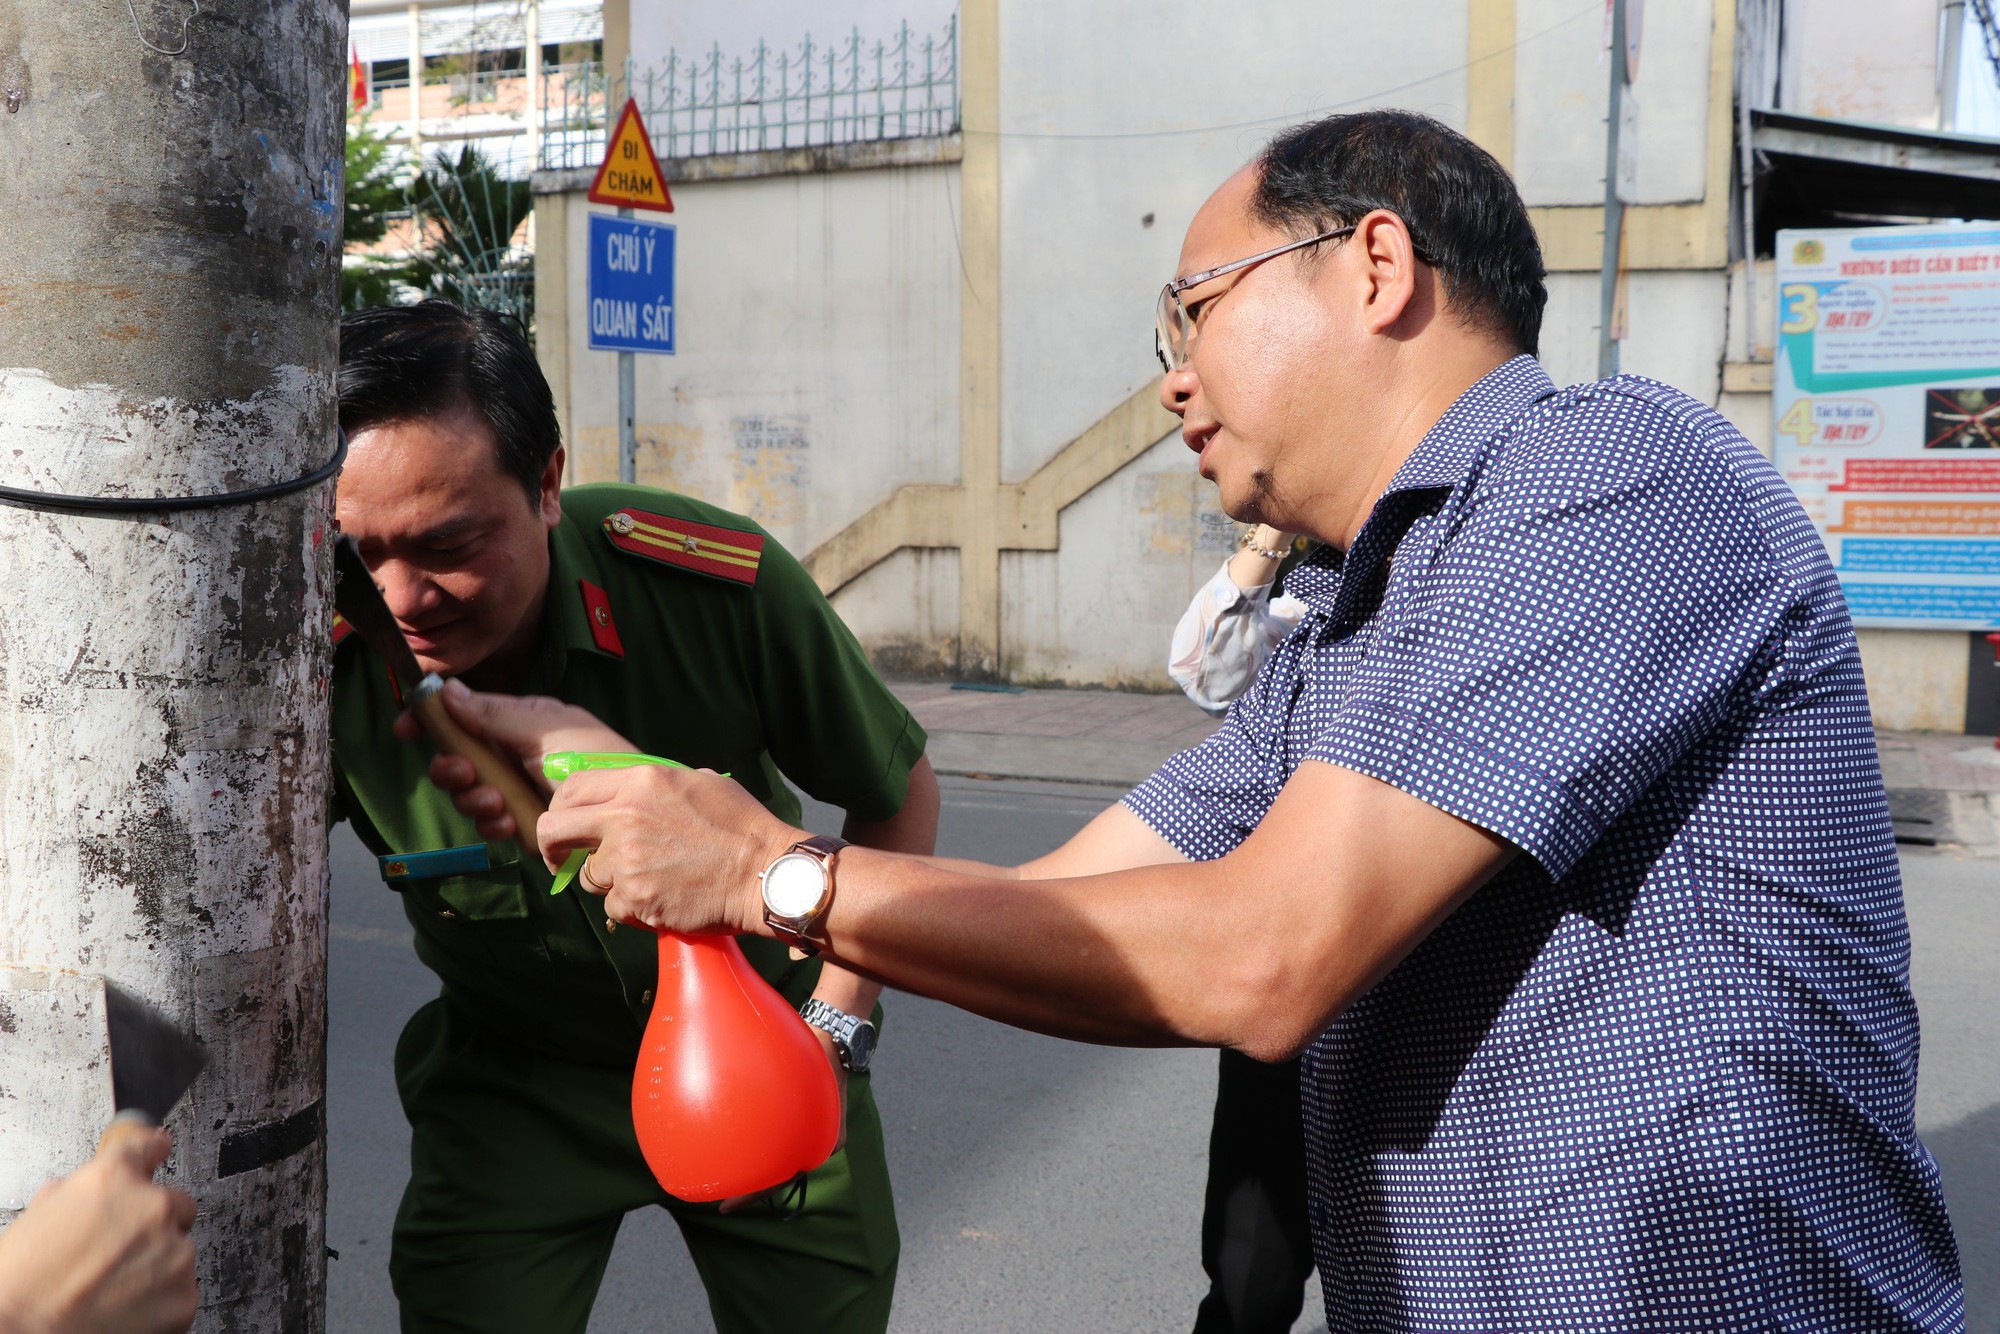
373 196
373 192
468 214
367 280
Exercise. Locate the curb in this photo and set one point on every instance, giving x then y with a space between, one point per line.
1044 759
1967 822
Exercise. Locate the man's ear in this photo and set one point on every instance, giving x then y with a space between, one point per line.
550 507
1389 268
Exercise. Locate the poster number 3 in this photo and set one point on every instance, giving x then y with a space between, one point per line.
1801 314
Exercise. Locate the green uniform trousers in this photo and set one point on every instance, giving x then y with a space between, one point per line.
522 1166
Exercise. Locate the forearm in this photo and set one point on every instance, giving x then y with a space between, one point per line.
1109 941
847 991
912 829
1148 957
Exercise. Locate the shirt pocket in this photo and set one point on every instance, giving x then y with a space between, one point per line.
487 913
492 895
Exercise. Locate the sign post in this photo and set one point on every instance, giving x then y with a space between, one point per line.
631 294
1887 409
1624 20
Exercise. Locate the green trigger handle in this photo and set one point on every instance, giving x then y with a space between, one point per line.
560 764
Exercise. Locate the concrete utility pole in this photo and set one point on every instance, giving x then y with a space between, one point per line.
170 218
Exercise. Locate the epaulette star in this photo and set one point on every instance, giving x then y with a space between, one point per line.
720 553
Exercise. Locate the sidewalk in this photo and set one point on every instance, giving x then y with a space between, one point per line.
1943 789
1070 736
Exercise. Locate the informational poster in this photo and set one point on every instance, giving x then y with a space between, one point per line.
1887 401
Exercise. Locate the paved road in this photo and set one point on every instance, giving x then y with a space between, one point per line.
1043 1185
1954 905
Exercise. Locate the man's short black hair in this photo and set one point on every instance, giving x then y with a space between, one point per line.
407 363
1460 205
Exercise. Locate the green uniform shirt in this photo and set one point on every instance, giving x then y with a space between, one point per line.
754 680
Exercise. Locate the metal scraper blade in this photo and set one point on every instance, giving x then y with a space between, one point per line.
356 597
152 1061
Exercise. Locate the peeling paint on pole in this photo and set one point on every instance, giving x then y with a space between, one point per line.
169 261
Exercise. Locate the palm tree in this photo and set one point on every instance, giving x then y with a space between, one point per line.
467 217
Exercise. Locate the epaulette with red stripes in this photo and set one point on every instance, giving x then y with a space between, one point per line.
720 553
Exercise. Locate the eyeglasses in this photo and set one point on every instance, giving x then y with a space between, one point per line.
1173 330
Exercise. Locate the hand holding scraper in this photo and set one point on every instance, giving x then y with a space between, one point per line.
104 1247
357 598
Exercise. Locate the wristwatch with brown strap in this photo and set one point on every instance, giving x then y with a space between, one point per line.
798 889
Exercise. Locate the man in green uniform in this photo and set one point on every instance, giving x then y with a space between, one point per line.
702 640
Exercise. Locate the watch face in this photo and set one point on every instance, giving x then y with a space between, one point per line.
861 1046
794 884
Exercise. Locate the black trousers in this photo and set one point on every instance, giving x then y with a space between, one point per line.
1255 1241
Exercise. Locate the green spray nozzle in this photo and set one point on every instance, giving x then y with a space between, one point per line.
560 764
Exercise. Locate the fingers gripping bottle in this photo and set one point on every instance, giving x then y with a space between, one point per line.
732 1093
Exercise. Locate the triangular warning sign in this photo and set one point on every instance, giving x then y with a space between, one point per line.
631 175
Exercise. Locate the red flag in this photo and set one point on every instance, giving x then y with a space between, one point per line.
360 73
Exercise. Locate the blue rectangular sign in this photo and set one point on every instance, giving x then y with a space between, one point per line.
631 285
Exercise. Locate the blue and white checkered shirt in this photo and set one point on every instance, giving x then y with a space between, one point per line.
1660 1073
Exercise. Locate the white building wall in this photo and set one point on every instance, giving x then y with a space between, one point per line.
1677 322
1867 60
1675 328
1114 132
905 610
1102 607
1562 87
1569 328
1106 156
1749 341
817 326
820 313
1092 146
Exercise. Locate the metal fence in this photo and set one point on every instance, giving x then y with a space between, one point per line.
800 96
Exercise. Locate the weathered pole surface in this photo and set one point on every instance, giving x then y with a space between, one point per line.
170 205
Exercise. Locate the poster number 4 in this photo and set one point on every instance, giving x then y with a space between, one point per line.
1798 422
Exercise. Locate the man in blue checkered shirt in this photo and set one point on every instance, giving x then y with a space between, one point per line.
1554 835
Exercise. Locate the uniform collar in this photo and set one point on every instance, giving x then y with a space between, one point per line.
568 617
